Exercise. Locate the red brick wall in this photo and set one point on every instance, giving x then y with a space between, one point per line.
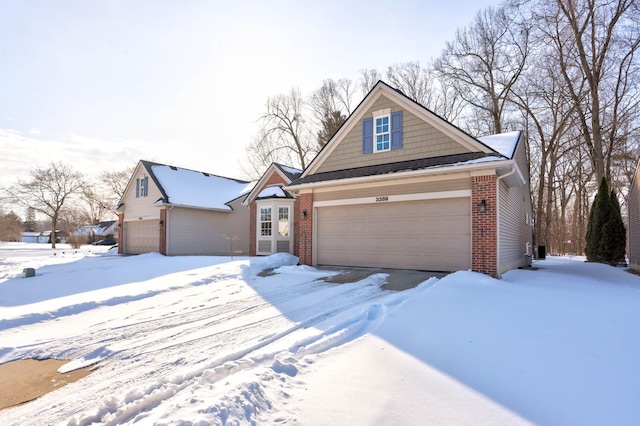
303 244
484 239
274 179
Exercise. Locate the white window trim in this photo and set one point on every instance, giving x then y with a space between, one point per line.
274 205
378 115
140 190
277 220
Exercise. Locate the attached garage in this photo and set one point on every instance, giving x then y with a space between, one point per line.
432 235
142 236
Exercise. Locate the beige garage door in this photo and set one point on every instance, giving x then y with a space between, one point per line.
432 235
142 236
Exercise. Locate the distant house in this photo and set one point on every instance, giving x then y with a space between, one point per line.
31 237
399 187
41 237
176 211
97 232
633 227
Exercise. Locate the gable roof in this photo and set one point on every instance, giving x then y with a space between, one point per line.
420 111
191 188
288 174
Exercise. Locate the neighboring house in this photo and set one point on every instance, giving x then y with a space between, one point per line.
97 232
176 211
633 217
41 237
31 237
271 212
399 187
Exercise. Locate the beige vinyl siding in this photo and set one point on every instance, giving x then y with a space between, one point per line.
512 223
141 207
398 189
419 140
515 219
205 232
633 211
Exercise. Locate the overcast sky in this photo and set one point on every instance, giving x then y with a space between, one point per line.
102 84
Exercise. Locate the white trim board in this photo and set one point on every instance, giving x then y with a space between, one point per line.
382 198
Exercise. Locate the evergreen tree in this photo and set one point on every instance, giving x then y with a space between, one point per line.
30 224
331 122
606 234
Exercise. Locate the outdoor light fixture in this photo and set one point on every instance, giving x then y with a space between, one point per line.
304 214
483 206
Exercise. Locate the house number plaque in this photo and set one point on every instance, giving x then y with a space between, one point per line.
382 199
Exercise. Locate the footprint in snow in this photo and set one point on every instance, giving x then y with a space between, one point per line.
288 369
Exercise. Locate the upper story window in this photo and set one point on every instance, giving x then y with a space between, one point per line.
142 187
381 134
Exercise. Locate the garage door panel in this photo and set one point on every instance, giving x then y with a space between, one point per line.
142 236
430 235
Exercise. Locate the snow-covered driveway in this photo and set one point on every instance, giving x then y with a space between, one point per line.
205 340
178 335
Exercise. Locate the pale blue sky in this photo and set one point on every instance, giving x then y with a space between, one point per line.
102 84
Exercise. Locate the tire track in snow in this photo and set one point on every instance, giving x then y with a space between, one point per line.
231 363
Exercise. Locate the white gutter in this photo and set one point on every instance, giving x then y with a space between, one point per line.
171 206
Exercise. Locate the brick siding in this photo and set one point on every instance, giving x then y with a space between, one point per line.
484 240
304 229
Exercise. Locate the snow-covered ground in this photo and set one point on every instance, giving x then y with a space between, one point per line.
205 340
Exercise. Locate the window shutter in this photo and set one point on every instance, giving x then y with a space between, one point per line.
396 130
137 188
145 186
367 136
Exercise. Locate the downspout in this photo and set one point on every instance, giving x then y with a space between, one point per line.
513 170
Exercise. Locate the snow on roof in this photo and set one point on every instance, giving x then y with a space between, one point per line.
272 191
504 143
197 189
290 170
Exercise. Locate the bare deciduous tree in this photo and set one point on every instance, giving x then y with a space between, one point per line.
368 79
483 63
412 80
284 137
47 192
331 104
595 43
10 226
116 182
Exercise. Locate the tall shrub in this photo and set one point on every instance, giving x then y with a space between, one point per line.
606 234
